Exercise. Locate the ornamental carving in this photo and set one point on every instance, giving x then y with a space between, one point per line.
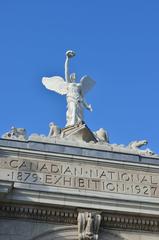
88 225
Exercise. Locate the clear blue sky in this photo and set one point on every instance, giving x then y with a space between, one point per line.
116 43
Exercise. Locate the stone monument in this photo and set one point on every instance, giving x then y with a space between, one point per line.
74 183
74 92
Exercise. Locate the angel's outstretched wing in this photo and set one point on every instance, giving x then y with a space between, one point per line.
56 84
87 83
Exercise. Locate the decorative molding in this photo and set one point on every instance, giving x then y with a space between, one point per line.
70 216
38 213
131 222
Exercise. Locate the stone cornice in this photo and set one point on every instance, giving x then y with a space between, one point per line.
5 187
69 216
38 213
131 222
133 160
77 150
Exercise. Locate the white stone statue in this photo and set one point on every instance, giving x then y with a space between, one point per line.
74 92
102 136
88 225
54 130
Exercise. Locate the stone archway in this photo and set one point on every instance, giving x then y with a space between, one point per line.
71 233
59 233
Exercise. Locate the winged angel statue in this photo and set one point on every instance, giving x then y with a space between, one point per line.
74 92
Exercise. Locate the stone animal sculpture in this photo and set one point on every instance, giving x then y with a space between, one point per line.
16 133
135 145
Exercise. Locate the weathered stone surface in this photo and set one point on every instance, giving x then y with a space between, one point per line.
72 174
88 225
53 183
79 135
26 230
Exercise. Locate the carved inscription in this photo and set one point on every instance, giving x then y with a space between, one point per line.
80 176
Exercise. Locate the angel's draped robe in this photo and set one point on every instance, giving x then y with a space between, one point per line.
74 98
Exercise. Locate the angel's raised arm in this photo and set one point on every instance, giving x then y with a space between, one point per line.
67 75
